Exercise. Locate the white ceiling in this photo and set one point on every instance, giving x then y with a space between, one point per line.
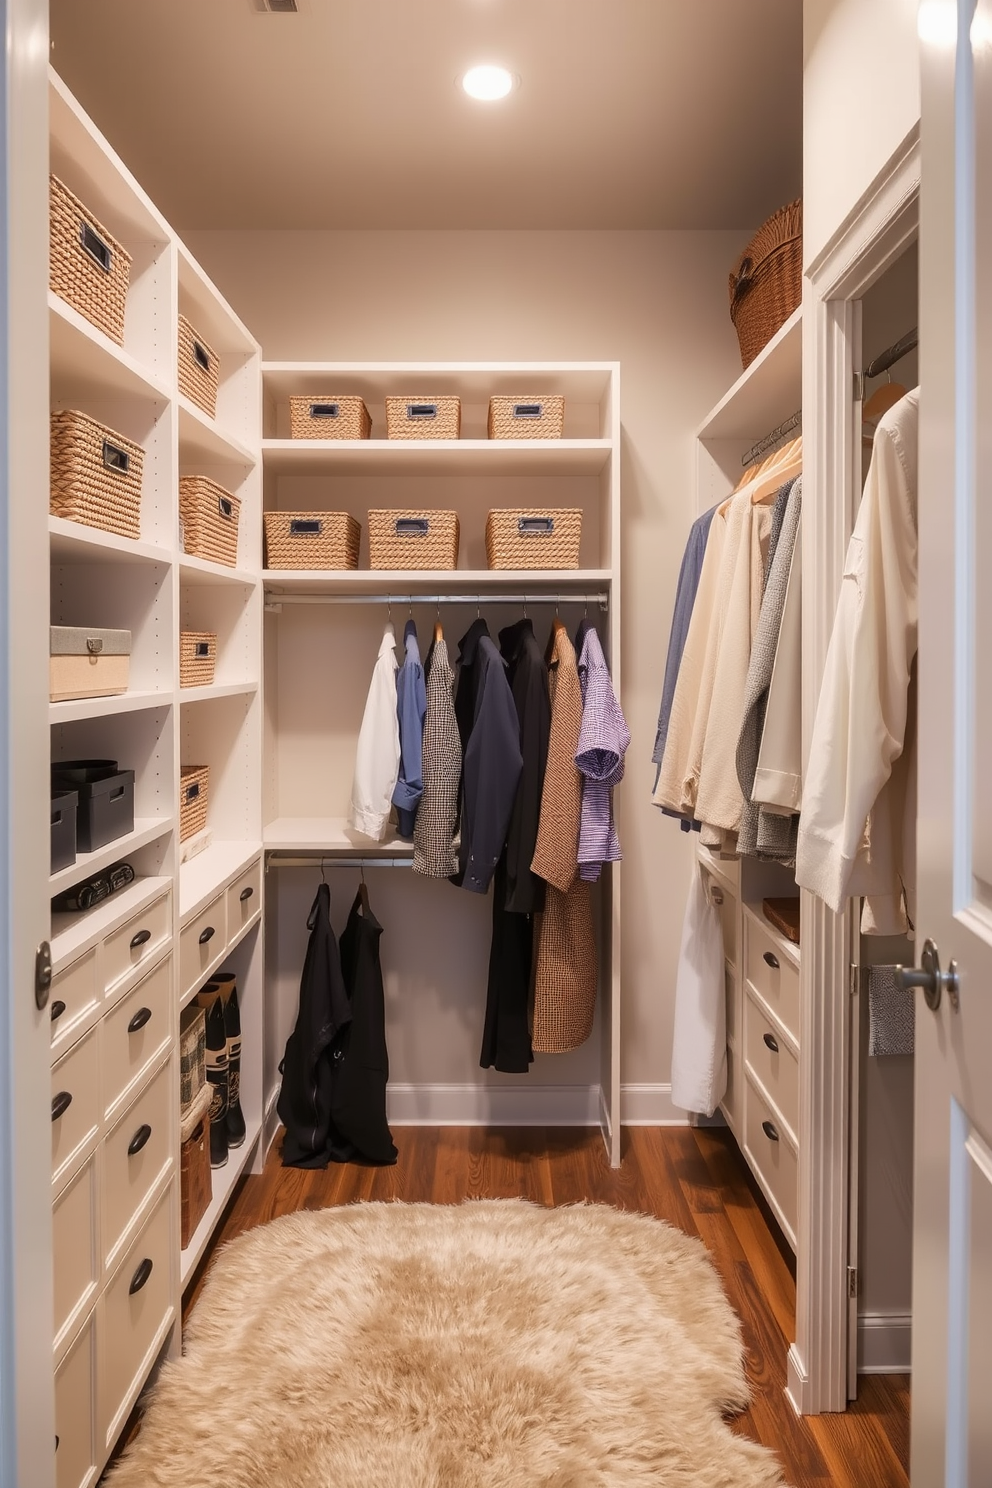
629 114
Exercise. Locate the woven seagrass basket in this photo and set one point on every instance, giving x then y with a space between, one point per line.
209 515
95 474
197 658
199 368
423 418
327 416
314 539
194 781
87 267
766 283
533 538
413 539
526 418
192 1055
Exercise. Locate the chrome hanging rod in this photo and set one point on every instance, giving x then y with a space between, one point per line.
274 600
304 858
794 421
893 354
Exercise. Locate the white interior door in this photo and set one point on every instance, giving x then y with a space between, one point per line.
952 1288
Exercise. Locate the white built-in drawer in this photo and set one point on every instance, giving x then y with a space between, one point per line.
201 943
75 1436
773 1159
726 901
773 974
135 1305
74 1001
772 1060
731 1103
136 941
75 1106
135 1033
75 1256
733 1001
136 1153
244 900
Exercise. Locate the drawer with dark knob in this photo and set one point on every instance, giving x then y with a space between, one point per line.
75 1106
771 1057
770 1150
75 1000
75 1380
772 971
136 1153
136 941
244 900
137 1305
202 943
76 1261
136 1033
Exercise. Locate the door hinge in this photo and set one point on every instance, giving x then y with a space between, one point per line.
852 1281
859 387
854 979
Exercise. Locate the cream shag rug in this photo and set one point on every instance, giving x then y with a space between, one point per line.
493 1344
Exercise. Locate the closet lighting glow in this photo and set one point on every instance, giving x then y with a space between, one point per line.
937 23
487 83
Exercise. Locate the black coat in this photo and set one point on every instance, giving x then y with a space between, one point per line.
358 1107
527 673
491 758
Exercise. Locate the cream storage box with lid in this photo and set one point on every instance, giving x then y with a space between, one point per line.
88 663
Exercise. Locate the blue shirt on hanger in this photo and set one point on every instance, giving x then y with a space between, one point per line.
411 710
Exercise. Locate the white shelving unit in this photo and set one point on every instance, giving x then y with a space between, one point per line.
133 947
322 636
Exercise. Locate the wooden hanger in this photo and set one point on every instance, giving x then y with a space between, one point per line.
879 403
363 893
765 470
769 485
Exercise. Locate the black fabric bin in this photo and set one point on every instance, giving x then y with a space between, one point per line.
64 804
106 800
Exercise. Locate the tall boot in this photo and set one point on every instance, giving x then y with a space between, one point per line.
209 999
232 1027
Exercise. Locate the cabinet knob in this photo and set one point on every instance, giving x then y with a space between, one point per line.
142 938
141 1017
770 1131
140 1276
771 1042
61 1103
770 959
58 1008
207 934
246 894
139 1140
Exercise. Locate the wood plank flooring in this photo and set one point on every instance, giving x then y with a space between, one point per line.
694 1178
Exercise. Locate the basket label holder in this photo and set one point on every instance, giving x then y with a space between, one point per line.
91 243
325 410
115 458
535 526
305 527
421 411
412 526
201 356
528 410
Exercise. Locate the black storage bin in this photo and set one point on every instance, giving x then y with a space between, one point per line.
106 800
64 803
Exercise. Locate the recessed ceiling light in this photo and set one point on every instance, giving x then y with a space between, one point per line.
488 82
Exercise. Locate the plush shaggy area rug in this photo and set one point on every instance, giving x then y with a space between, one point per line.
493 1344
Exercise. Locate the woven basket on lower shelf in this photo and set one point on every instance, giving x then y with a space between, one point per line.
197 658
199 369
194 782
766 283
526 418
423 418
318 539
87 267
195 1186
328 416
192 1055
413 539
95 474
209 515
534 538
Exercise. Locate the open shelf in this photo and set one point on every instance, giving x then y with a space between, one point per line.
767 391
75 542
82 356
216 690
331 835
223 1182
103 707
74 933
146 829
449 580
202 571
203 876
436 456
202 438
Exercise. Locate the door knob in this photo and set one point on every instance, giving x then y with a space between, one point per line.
930 977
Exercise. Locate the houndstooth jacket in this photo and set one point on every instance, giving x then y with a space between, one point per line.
435 837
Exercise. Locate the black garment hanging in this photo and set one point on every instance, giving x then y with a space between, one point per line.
491 758
506 1032
304 1104
527 673
358 1107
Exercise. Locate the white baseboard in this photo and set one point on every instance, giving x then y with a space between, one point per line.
270 1120
649 1105
885 1343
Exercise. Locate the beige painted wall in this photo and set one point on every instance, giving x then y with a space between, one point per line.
861 97
655 301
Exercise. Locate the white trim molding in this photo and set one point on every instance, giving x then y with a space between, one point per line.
527 1105
885 1343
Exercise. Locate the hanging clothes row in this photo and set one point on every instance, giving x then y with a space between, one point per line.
502 770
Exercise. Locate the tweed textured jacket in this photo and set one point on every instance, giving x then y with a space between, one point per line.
435 837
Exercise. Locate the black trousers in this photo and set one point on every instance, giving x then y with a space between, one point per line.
506 1033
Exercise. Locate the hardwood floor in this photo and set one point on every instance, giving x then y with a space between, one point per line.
694 1178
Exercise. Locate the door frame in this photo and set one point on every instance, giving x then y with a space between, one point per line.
882 224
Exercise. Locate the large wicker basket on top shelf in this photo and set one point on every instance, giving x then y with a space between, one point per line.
766 283
87 267
311 539
413 539
534 538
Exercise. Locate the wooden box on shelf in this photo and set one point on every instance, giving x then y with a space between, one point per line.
96 474
328 416
209 516
313 539
534 538
194 781
197 658
423 418
87 663
87 267
413 539
199 369
195 1189
526 418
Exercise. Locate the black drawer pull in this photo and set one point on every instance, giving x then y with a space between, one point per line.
61 1104
246 894
770 1131
421 410
141 1017
142 938
115 795
138 1140
140 1277
115 458
58 1008
207 934
771 1042
93 244
201 356
770 959
325 410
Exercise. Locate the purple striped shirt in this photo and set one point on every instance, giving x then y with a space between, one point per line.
603 740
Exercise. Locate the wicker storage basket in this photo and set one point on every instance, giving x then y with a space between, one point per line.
95 474
87 267
199 368
766 284
533 538
195 1187
194 781
329 416
197 658
423 418
526 418
318 539
192 1055
413 539
209 515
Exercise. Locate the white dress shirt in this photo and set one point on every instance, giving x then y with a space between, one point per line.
377 763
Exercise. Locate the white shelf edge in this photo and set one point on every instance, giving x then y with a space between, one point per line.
201 570
217 690
452 579
188 265
427 368
423 447
104 707
102 345
238 453
751 374
234 858
85 929
93 540
223 1182
330 835
146 829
